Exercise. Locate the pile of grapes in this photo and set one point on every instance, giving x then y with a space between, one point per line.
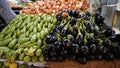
81 36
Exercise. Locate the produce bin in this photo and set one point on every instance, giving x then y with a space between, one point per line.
66 37
91 64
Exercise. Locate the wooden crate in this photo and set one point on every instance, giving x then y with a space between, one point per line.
91 64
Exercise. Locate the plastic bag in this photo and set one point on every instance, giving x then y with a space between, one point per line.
118 5
94 5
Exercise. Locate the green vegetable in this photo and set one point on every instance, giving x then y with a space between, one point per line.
5 42
23 40
49 18
1 36
21 56
23 30
41 23
8 36
22 25
38 52
34 18
29 54
26 44
38 27
45 24
18 32
12 29
7 55
51 26
12 43
28 21
5 49
27 34
35 30
6 63
29 25
41 58
1 53
31 28
20 50
38 35
27 59
43 46
22 35
5 29
25 50
16 46
54 21
46 31
35 24
38 19
18 25
42 34
31 51
13 56
33 38
34 58
14 35
39 43
31 34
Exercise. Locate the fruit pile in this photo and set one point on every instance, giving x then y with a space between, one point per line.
54 6
71 34
24 38
81 37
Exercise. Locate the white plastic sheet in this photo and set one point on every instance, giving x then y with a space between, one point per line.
118 5
38 64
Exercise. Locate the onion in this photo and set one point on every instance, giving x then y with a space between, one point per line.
48 11
64 14
55 6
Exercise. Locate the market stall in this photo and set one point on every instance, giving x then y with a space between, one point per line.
59 34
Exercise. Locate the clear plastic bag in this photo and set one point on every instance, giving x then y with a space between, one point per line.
94 5
118 5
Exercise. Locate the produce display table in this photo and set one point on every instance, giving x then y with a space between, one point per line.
91 64
42 33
